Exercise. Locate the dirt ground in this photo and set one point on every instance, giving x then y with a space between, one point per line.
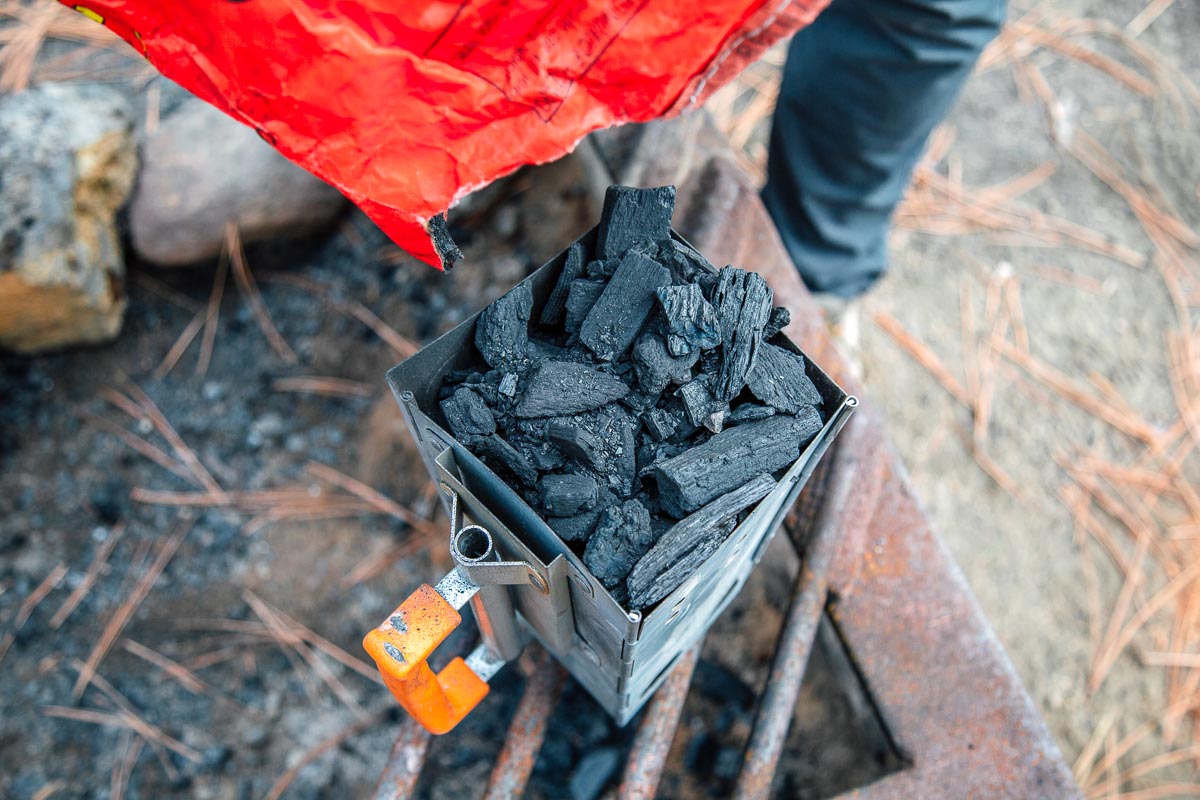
1086 315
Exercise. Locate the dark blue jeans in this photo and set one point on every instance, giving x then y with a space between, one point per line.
864 86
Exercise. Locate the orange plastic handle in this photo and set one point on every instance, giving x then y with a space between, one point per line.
400 647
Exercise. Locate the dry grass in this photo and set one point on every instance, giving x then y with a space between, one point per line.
26 26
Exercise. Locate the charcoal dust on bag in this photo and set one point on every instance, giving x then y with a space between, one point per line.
642 410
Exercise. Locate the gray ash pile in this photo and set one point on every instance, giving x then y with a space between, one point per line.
642 410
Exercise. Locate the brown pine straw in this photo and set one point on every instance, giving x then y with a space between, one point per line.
123 767
123 719
401 346
29 605
323 386
131 603
921 353
284 633
336 740
249 290
179 673
307 635
186 337
99 560
1146 17
1066 277
212 318
138 405
141 446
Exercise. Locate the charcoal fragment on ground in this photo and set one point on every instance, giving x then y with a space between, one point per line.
643 406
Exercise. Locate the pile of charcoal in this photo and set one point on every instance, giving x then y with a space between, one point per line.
642 410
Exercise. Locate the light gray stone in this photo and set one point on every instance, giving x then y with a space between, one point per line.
201 169
67 164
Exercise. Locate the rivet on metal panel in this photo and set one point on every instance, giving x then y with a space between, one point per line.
582 582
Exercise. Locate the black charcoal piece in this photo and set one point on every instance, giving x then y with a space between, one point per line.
691 320
564 387
617 317
502 456
602 270
601 443
779 319
656 368
580 299
701 407
779 380
684 262
743 303
567 495
686 545
621 537
556 303
502 330
749 412
632 215
659 424
467 415
639 402
731 458
508 384
529 437
579 527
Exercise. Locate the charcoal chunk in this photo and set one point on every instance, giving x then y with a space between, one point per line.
621 537
749 412
556 303
684 262
616 318
659 424
467 415
602 269
600 443
701 407
656 368
508 384
530 438
579 527
780 318
731 458
779 380
504 458
688 543
564 387
580 299
631 215
743 303
502 331
567 495
691 320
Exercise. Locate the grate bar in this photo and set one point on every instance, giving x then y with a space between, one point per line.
855 478
399 779
527 731
648 757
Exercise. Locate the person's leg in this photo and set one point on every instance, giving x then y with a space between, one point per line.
864 86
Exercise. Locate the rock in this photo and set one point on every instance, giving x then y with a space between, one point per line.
203 168
67 164
593 773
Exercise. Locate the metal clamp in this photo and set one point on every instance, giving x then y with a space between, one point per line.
402 644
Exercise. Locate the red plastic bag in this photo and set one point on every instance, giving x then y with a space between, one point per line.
408 105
